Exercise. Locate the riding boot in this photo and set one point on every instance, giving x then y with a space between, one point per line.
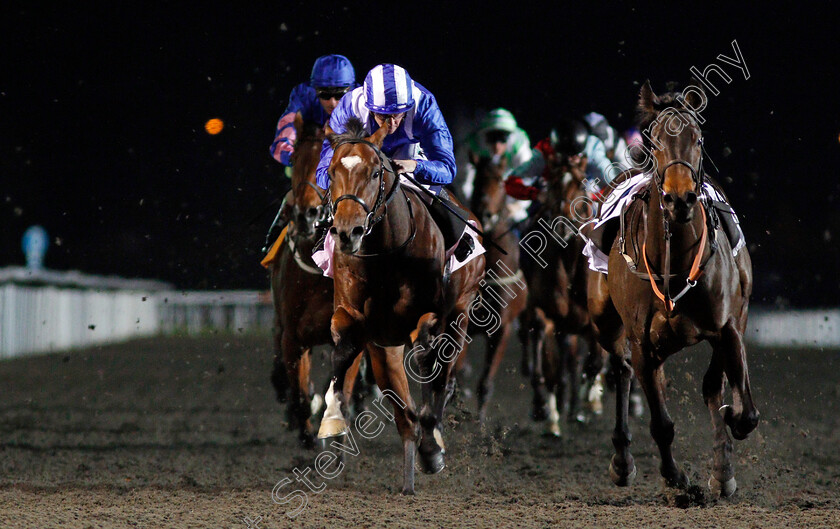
452 228
281 220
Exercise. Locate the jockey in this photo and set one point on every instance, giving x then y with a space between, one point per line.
623 154
599 150
497 137
565 146
332 77
419 140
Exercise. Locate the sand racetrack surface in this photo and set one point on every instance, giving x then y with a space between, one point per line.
185 432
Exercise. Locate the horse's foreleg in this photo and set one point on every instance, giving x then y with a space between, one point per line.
652 377
622 466
742 417
348 337
722 481
388 369
537 341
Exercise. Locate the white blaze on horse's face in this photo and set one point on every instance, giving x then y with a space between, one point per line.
349 162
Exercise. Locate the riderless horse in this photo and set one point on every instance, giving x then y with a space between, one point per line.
672 282
390 291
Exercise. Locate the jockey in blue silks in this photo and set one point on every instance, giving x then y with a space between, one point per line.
419 141
332 77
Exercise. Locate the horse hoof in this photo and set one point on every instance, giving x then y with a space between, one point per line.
681 482
552 429
307 440
332 428
619 479
539 413
407 492
724 490
431 463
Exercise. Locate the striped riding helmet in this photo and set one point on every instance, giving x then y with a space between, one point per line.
388 89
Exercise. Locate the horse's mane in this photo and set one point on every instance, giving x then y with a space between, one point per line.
311 132
354 130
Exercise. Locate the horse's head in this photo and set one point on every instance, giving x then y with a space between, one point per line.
676 142
307 208
565 191
489 197
357 183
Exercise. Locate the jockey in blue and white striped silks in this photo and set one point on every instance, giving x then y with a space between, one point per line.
422 135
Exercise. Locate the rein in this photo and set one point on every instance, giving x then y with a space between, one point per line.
697 266
306 267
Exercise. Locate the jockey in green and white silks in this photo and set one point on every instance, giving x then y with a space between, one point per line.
497 137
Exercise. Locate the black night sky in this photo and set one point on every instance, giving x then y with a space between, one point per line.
102 112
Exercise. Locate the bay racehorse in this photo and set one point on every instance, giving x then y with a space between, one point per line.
672 282
557 304
390 292
504 289
302 296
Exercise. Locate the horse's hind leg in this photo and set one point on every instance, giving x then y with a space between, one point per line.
279 376
571 366
433 377
722 481
593 373
742 417
496 344
526 364
387 364
652 376
297 363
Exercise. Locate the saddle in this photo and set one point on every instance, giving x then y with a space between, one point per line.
602 232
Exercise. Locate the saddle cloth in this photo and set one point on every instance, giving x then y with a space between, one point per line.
597 247
275 249
324 257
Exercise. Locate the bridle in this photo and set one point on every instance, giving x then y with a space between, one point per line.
382 198
697 267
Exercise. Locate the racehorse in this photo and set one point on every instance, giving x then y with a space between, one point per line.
302 296
489 204
557 305
390 291
670 240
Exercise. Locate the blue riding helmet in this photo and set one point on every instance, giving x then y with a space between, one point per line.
332 71
388 89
